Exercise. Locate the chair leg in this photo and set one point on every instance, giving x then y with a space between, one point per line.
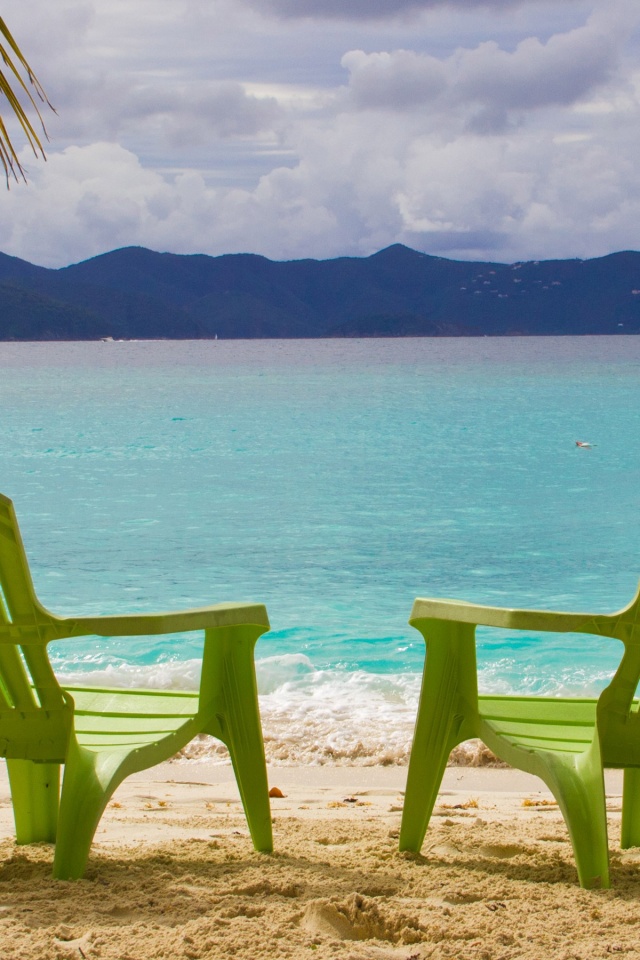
438 730
578 786
35 792
426 770
242 731
89 782
630 830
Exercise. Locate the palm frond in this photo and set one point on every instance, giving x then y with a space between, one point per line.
13 86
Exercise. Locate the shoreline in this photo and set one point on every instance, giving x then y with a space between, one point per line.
172 874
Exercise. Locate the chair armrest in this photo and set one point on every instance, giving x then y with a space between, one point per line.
544 620
151 624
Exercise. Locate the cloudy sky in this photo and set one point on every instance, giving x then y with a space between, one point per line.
503 130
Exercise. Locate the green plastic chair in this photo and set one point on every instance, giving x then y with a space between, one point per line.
565 742
102 736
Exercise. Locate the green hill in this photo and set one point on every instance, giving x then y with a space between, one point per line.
137 293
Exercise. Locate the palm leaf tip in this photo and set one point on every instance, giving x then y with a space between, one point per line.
12 88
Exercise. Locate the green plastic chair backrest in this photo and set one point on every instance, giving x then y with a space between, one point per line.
618 718
33 708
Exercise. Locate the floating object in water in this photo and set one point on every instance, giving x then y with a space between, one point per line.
584 443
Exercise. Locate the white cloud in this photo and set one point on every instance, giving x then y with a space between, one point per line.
172 135
566 68
83 201
190 116
368 9
395 81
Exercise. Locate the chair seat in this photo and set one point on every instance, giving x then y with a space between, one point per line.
541 723
108 718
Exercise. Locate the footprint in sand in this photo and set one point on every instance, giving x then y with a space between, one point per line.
501 851
355 918
325 918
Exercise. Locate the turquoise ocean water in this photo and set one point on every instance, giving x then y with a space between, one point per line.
334 481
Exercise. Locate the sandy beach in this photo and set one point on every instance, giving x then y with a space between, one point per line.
173 874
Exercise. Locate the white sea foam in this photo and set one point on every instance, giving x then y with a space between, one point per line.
167 675
308 715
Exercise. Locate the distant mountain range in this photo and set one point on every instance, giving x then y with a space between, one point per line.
135 293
